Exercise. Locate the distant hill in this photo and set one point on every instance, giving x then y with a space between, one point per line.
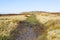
28 13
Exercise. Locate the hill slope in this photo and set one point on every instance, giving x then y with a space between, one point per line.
36 25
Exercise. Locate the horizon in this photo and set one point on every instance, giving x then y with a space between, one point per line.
18 6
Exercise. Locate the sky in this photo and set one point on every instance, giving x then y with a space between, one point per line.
17 6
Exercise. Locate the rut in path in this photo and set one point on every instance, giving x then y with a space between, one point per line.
26 31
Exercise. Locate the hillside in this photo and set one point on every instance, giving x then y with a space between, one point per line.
35 25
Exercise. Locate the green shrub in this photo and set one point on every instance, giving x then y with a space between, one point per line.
32 19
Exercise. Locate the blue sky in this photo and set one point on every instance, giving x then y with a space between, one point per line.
16 6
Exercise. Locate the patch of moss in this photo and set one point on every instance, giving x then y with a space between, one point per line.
32 19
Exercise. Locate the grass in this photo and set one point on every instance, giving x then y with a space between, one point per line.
9 23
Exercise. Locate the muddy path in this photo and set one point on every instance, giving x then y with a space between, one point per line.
26 31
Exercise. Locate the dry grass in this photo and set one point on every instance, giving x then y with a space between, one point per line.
50 21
